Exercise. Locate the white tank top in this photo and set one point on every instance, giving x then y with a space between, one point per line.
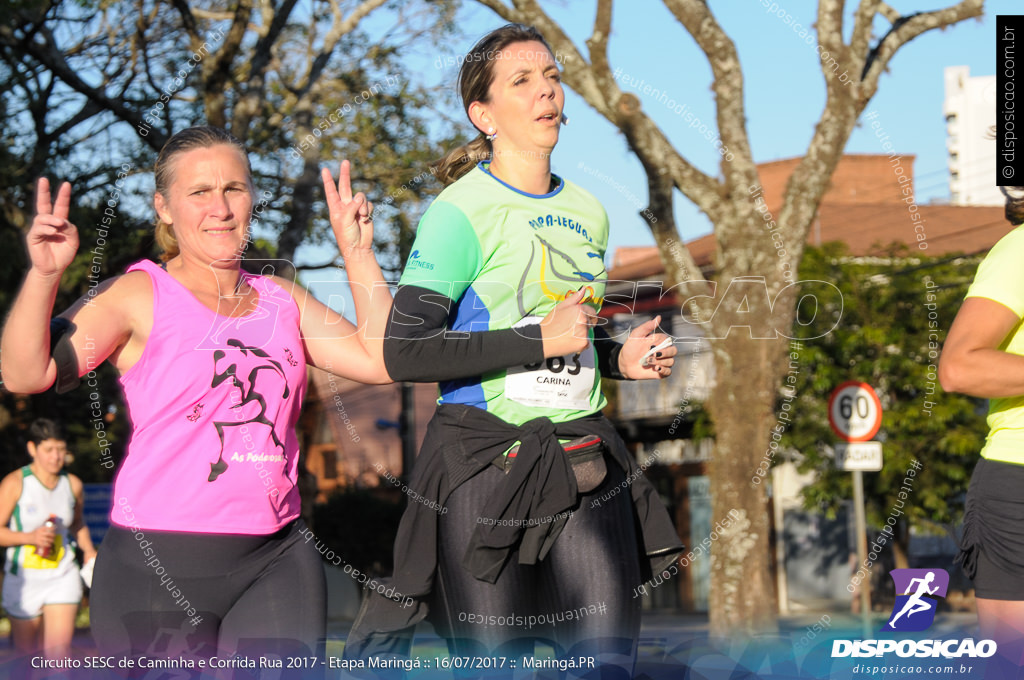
35 505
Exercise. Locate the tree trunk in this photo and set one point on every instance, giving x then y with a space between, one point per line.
743 598
748 327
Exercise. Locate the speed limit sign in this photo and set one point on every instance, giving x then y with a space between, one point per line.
854 411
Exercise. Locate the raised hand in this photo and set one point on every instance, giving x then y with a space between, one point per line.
642 339
565 330
52 240
350 215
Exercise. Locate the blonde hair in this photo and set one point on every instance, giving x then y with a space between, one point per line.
475 77
198 137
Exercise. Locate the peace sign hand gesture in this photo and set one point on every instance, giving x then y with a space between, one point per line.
52 239
350 215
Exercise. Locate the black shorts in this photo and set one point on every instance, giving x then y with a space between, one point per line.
168 594
992 546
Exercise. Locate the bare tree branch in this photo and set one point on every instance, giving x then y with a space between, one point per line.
251 97
188 20
888 12
845 103
597 45
47 53
830 36
727 86
209 15
217 71
906 29
357 15
864 18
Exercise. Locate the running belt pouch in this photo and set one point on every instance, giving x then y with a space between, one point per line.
586 455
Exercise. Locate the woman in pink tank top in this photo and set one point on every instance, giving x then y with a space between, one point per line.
206 555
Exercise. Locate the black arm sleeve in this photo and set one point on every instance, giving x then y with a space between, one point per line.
419 347
63 354
607 354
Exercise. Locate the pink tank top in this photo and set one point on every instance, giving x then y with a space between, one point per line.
213 403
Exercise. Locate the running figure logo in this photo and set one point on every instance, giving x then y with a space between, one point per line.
917 593
255 361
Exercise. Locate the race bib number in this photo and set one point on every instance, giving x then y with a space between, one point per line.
559 382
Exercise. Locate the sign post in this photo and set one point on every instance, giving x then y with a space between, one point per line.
855 414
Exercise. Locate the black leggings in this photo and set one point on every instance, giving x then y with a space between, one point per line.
580 595
169 594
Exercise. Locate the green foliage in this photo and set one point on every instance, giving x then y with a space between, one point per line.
897 310
294 91
703 427
387 138
77 79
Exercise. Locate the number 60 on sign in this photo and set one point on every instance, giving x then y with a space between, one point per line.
854 411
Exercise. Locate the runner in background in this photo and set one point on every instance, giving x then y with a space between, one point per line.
41 514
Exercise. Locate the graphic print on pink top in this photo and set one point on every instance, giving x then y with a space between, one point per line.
213 403
247 389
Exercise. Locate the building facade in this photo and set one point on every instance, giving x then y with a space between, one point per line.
970 111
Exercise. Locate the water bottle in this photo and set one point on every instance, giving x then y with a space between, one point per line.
50 523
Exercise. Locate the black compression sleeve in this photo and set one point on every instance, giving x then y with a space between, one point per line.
607 354
63 353
419 346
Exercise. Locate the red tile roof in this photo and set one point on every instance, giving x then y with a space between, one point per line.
863 208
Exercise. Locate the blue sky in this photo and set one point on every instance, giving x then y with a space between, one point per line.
784 95
784 98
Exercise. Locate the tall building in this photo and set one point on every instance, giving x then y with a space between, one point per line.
970 113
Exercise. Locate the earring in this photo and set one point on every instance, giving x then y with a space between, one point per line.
491 134
565 119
